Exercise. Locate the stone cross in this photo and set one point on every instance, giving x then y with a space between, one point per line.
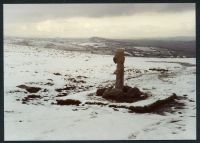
119 60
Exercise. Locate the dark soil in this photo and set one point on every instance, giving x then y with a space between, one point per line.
16 91
159 106
31 97
71 87
68 102
158 69
29 88
118 106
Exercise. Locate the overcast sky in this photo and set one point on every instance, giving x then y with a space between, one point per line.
103 20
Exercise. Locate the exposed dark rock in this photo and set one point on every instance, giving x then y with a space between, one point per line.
81 76
23 102
96 103
72 79
68 102
29 88
45 90
33 96
49 83
59 89
70 87
174 121
61 94
56 73
191 100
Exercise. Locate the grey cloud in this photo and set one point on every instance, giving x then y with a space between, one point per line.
38 12
177 7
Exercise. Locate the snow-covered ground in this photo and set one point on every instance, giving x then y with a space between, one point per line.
52 69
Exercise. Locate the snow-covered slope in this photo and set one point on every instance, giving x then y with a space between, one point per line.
162 48
52 69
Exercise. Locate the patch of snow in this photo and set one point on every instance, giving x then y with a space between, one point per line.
36 66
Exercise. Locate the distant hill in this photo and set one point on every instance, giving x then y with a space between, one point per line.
156 47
